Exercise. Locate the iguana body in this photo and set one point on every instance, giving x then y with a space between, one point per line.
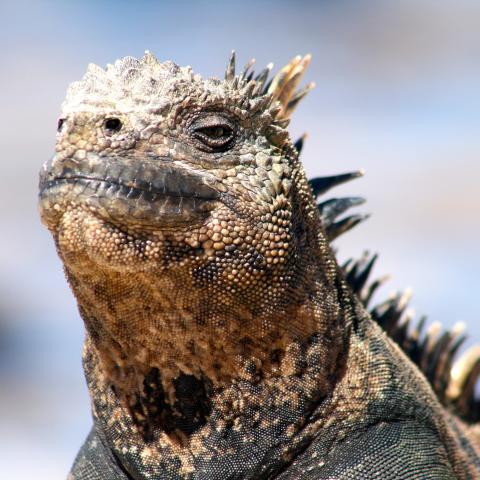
223 341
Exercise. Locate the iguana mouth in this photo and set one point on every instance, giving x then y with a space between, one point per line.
154 190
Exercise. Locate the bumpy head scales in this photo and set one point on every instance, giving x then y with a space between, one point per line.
130 82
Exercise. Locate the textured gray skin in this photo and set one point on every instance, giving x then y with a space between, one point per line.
222 339
400 450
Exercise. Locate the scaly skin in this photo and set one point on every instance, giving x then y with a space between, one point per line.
222 340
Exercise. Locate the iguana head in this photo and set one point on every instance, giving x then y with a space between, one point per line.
157 168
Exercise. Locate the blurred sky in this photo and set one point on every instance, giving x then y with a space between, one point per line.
398 93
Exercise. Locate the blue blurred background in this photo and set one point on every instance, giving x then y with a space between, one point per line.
398 93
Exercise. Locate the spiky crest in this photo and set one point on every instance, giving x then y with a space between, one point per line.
433 351
281 88
333 208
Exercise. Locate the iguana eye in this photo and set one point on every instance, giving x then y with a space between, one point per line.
214 132
112 125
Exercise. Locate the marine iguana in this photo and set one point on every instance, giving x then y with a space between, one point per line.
223 340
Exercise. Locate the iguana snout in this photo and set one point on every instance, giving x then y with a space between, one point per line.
151 191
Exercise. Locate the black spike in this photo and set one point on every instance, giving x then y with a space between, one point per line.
401 332
432 359
427 345
230 70
263 75
297 97
362 276
347 265
443 361
411 343
246 68
332 208
350 277
417 332
266 88
336 229
321 185
372 288
356 273
433 352
415 351
389 313
467 405
299 144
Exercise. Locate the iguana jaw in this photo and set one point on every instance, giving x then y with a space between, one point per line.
151 191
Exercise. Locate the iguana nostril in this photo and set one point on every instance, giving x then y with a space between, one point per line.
112 124
60 123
